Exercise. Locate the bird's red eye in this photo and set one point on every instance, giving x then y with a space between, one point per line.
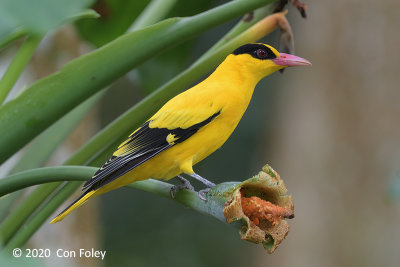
261 53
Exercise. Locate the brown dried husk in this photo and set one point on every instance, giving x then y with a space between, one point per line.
268 186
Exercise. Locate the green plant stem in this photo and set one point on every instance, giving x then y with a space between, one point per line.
154 11
38 176
32 177
190 199
48 99
17 65
98 148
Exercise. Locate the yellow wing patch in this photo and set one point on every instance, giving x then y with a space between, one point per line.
171 139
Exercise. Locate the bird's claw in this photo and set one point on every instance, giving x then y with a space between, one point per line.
202 193
185 185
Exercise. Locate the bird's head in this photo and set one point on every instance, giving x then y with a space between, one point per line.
261 59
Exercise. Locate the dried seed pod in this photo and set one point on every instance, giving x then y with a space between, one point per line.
260 205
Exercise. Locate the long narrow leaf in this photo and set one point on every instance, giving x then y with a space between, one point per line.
154 11
18 64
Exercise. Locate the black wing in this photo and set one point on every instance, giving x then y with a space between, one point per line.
142 145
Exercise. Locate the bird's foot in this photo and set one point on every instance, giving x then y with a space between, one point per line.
185 185
203 193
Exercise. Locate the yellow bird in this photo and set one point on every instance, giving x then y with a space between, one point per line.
190 126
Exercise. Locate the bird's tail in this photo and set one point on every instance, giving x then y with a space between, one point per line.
77 203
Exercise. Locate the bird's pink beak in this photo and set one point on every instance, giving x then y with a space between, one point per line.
288 60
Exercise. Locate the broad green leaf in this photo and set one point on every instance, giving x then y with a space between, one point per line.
37 17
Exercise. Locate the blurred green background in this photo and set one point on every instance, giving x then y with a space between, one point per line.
331 131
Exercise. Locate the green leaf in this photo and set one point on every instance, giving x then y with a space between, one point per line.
48 99
154 11
18 64
21 32
37 17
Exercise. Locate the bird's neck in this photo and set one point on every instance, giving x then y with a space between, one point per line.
231 72
233 80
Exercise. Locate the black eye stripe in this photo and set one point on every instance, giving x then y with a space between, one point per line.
251 49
